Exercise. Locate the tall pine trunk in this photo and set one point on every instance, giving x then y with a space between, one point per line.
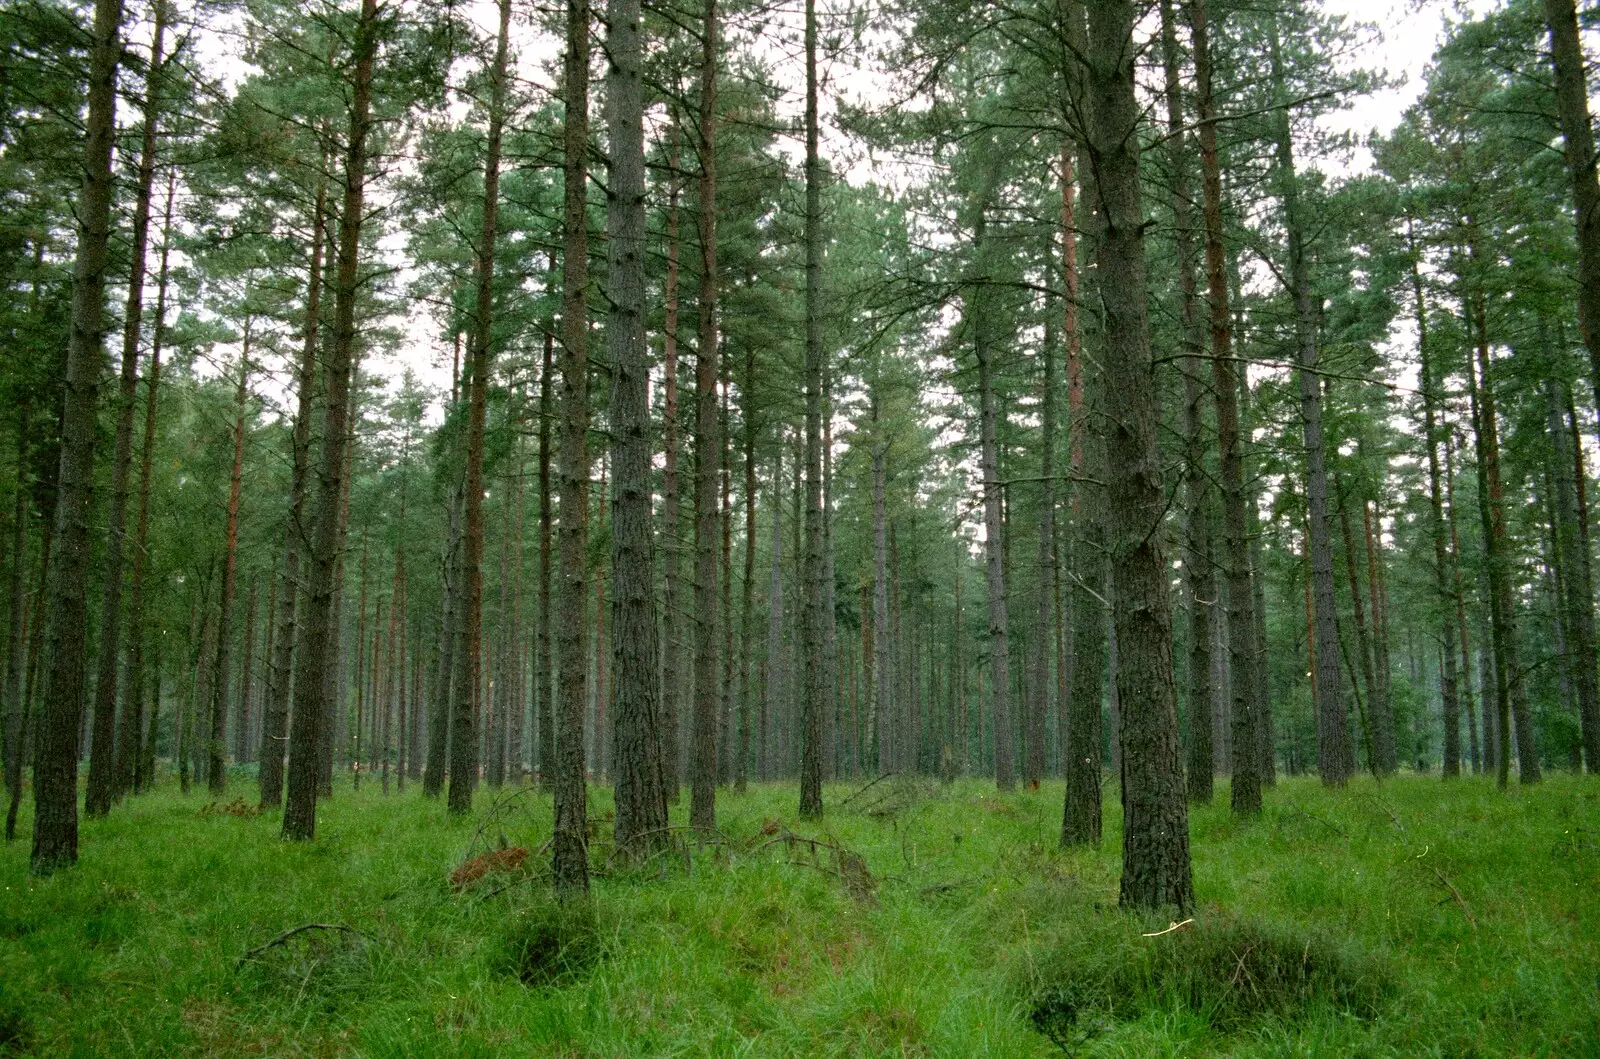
1443 555
1155 846
1511 706
222 683
703 771
570 846
275 728
812 666
994 530
673 670
1199 581
1334 759
463 741
102 785
639 757
318 642
544 699
55 773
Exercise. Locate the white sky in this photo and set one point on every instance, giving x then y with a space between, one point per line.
1409 32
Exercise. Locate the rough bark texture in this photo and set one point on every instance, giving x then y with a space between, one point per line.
55 772
570 845
1155 847
131 745
673 670
1334 759
463 736
815 671
1084 650
102 785
639 754
1199 580
275 728
703 771
311 692
544 699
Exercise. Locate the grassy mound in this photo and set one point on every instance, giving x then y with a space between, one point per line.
1230 972
548 944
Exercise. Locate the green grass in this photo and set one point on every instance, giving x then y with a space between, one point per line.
971 924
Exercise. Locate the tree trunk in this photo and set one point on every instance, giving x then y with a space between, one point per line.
1085 653
310 686
640 751
570 845
673 671
741 765
1572 559
1383 727
463 740
1577 133
1511 704
222 682
1443 556
1199 581
544 699
703 791
275 731
771 704
1246 765
994 530
815 673
17 611
1359 617
55 820
1155 848
130 750
1334 759
102 785
47 533
880 697
243 714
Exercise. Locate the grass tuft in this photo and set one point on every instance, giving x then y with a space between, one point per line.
549 944
1231 972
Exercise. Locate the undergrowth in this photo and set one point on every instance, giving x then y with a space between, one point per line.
1414 918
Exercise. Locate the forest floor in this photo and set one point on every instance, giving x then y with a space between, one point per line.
1411 919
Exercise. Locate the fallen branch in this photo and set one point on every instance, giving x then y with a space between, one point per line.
286 936
1313 816
1393 819
1462 901
1171 929
865 789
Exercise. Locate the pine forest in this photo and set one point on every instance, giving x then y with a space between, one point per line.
799 527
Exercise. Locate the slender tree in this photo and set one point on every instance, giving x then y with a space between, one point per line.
703 772
311 691
570 845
